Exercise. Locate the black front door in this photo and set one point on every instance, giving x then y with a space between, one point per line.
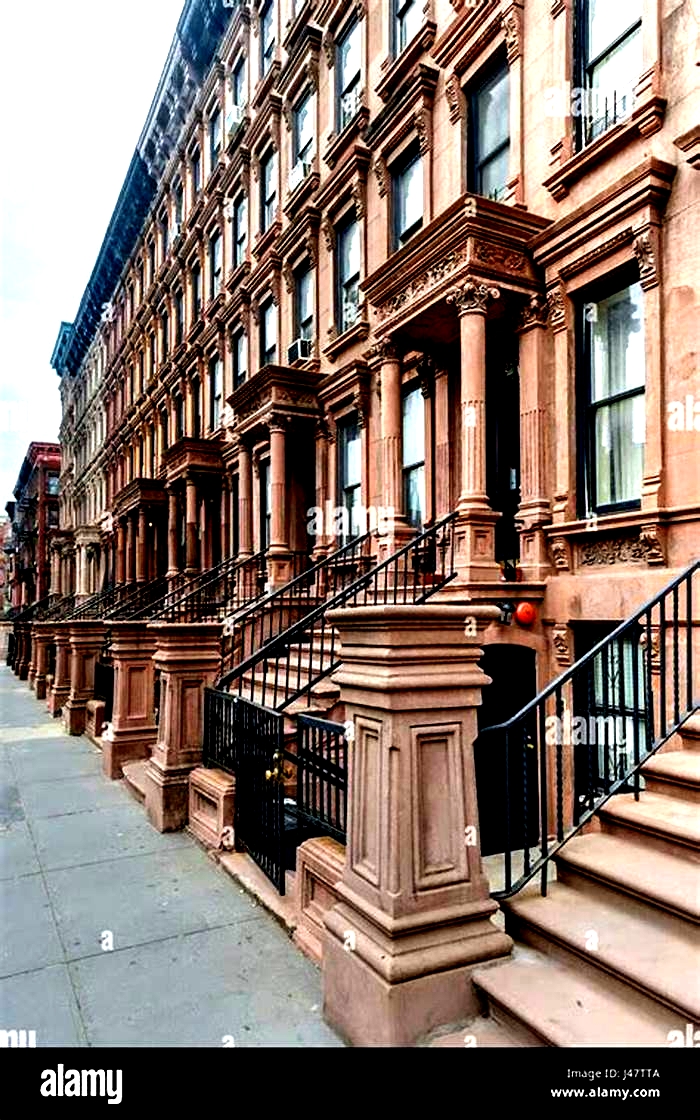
506 772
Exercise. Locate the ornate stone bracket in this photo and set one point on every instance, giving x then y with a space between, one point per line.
561 644
472 296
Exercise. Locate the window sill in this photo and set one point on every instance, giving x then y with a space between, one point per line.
195 331
645 120
339 342
265 240
265 85
237 276
396 69
236 134
339 142
302 192
215 304
632 536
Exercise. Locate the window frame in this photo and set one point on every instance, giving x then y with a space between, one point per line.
305 154
269 203
239 221
342 91
397 8
215 128
240 347
239 71
216 264
216 382
268 308
497 68
408 469
267 53
197 291
346 491
196 172
583 68
305 273
588 409
342 285
409 159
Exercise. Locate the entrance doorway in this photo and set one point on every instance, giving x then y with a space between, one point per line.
512 671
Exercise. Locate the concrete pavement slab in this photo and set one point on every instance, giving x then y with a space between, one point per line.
17 851
104 834
29 937
80 794
43 1001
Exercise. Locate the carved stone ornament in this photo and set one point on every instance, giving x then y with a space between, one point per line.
328 233
358 193
360 402
511 21
428 279
649 539
329 49
619 550
312 72
384 350
556 308
255 311
423 123
497 255
655 658
559 550
472 297
312 249
644 252
288 113
453 94
561 642
535 312
382 174
288 274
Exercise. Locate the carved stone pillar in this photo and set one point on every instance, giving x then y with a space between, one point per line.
121 551
534 511
443 465
475 532
245 502
414 911
191 535
60 688
141 547
86 639
173 533
133 728
43 636
279 541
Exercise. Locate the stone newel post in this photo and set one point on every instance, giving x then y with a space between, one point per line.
43 634
188 656
133 731
86 638
60 687
414 913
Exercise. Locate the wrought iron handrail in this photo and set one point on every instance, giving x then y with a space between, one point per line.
596 705
249 630
102 601
27 614
59 611
215 592
139 601
413 573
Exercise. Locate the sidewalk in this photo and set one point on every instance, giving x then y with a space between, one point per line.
194 958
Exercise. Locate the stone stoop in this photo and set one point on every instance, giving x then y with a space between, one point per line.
320 863
135 778
611 956
94 721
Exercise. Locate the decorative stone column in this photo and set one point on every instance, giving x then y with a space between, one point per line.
475 530
245 502
534 511
141 547
43 636
86 637
133 729
60 689
121 551
130 549
191 540
391 439
24 650
443 466
278 562
31 668
188 656
415 912
173 570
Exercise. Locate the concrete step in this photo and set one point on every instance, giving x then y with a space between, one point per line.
675 774
565 1005
135 778
619 863
640 946
667 823
689 733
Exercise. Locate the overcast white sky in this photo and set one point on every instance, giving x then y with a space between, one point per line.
76 82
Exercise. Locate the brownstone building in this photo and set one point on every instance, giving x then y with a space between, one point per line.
427 269
34 518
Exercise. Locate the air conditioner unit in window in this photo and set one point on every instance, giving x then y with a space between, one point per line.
300 348
297 174
234 117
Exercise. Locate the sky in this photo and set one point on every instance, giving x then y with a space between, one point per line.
76 83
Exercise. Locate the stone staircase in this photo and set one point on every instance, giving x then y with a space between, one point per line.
611 956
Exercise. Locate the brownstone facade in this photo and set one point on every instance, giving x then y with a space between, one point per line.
34 521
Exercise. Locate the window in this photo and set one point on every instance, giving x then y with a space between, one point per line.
303 131
164 236
413 432
215 265
196 172
164 334
267 36
348 275
179 416
238 91
52 484
164 430
240 358
196 292
612 458
216 390
179 316
303 304
142 372
350 475
268 189
152 260
151 452
490 135
268 333
152 353
214 138
178 207
349 77
408 198
142 280
407 22
240 230
609 62
196 408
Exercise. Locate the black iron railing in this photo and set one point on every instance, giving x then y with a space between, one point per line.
11 647
60 611
140 602
101 602
321 772
289 666
586 736
249 630
217 592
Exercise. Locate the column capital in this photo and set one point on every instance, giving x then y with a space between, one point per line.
534 313
384 350
472 297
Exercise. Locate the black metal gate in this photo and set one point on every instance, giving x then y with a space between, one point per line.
247 740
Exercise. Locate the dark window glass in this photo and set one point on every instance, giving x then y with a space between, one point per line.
304 304
407 22
348 76
413 431
267 36
350 477
408 198
609 64
216 390
490 135
268 333
348 274
268 189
